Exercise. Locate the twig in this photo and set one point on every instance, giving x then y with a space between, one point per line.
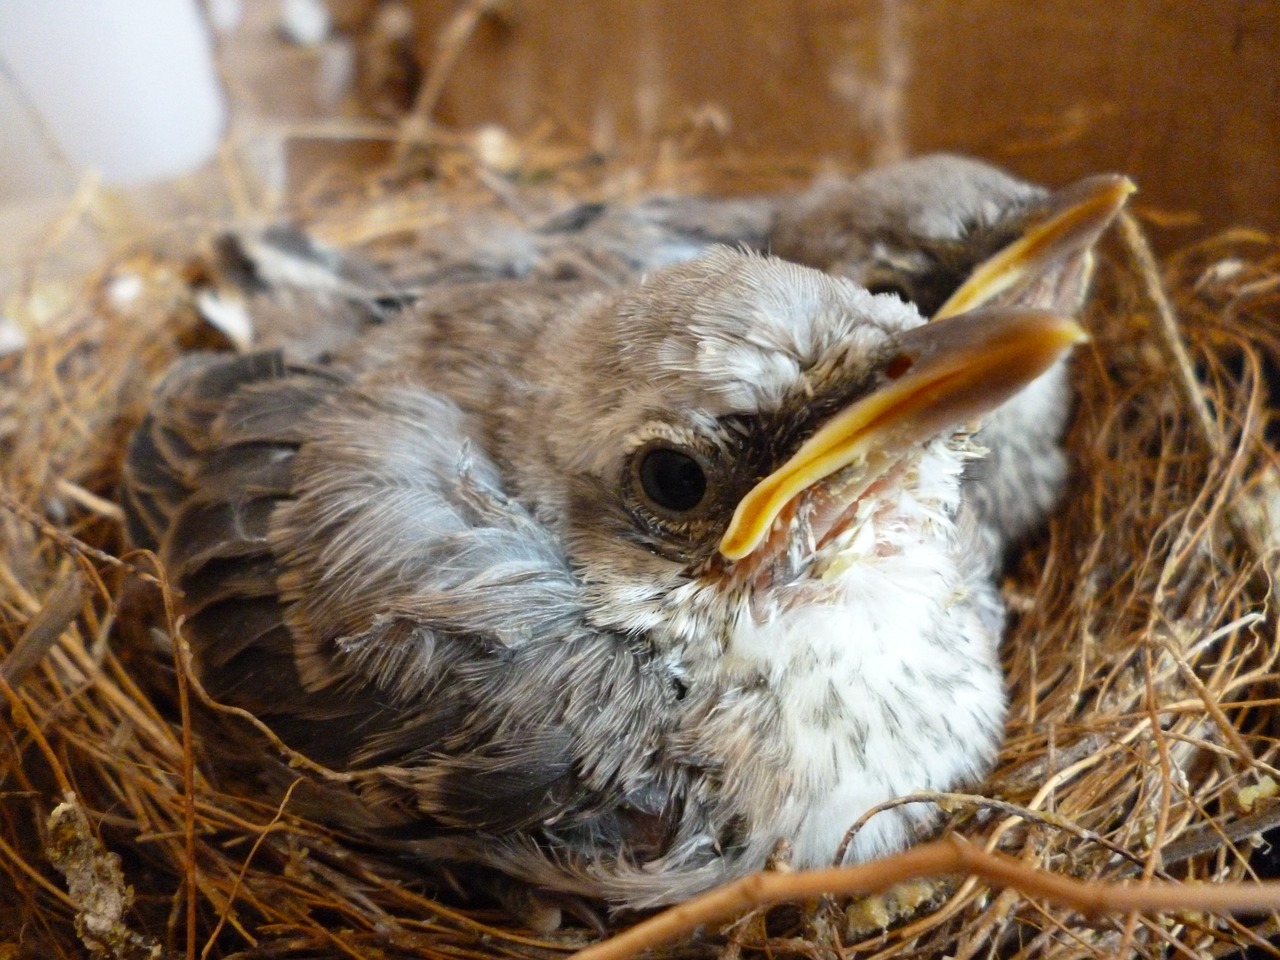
182 671
452 41
295 758
947 856
60 608
1213 835
89 500
22 718
943 799
70 544
1170 333
263 833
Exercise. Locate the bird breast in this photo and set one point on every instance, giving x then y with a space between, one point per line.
884 681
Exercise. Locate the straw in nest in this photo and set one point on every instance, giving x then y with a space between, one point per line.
1141 657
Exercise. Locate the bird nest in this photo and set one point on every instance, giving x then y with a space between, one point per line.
1141 655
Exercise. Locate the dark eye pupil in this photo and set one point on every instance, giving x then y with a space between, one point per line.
673 480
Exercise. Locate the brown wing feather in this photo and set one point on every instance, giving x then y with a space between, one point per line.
349 568
202 475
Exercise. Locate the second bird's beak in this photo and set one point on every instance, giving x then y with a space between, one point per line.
1050 262
984 345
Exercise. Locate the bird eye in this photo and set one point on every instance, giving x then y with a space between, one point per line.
671 479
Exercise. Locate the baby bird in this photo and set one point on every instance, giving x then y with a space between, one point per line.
609 587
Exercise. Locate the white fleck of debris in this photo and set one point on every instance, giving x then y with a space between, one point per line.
12 337
1220 272
394 21
496 149
225 15
305 22
227 316
124 290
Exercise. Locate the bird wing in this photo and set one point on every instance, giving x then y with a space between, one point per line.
351 572
586 241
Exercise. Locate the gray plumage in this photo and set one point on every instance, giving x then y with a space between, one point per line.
438 560
917 230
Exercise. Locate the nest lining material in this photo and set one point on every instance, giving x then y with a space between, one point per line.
1141 656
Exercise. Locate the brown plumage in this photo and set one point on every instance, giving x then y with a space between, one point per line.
517 555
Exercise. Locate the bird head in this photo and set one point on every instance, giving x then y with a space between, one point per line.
739 436
944 230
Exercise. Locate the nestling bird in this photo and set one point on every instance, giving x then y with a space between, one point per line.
610 587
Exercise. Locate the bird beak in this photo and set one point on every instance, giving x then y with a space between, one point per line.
1053 248
943 373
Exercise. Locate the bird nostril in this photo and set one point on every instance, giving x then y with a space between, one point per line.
898 365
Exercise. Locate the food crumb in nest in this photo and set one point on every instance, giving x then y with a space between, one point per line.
870 915
96 885
1264 789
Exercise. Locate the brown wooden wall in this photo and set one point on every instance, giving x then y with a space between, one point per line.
1184 95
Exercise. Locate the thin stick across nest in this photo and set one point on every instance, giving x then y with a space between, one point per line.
1141 658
